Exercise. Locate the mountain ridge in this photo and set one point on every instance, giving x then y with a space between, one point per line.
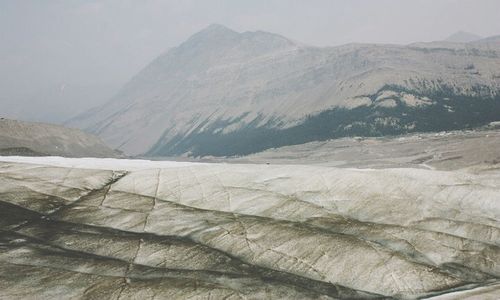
21 138
463 37
220 83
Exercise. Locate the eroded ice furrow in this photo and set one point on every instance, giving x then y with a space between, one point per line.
280 245
435 248
78 239
473 231
397 196
52 187
62 247
286 246
70 285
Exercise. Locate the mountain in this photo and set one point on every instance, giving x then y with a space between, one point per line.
227 93
492 42
39 139
462 37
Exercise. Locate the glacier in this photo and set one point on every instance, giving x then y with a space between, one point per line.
119 228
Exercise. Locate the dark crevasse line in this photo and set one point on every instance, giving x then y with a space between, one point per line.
16 216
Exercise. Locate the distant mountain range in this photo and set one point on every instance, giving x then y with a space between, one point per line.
226 93
463 37
38 139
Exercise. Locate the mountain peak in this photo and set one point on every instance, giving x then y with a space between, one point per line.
214 33
463 37
218 37
216 29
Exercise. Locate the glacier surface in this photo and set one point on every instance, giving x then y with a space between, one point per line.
116 228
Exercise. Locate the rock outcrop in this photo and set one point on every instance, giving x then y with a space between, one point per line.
19 138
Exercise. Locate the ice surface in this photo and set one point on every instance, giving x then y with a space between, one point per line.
130 228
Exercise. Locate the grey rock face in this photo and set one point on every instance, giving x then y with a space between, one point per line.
222 88
39 139
181 230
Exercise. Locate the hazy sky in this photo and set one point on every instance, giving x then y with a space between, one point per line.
95 46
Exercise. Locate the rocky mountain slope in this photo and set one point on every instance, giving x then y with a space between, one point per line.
227 93
39 139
